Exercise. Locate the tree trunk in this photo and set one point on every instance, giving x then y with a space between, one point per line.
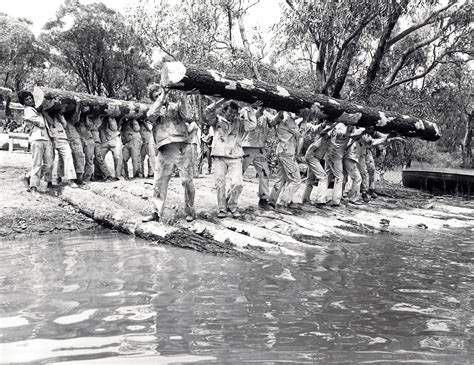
209 82
466 144
374 66
246 43
345 66
52 99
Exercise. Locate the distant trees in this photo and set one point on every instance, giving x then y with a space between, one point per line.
97 45
20 52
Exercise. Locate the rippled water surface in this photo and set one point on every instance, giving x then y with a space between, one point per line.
109 298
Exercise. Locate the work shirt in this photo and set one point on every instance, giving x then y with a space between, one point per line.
320 144
257 137
131 131
170 121
84 128
56 127
228 136
94 128
72 132
287 133
109 130
39 130
146 131
339 140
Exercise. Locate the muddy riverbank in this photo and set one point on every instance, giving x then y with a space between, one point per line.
23 215
121 205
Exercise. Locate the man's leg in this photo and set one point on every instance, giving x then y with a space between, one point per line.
308 189
220 171
135 149
66 167
247 159
293 178
150 148
125 157
165 165
37 151
100 167
48 163
116 148
185 165
236 182
279 183
209 161
369 160
353 171
334 164
261 166
88 147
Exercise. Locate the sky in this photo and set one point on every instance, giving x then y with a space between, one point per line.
39 12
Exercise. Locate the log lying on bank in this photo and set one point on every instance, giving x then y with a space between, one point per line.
175 75
52 99
122 219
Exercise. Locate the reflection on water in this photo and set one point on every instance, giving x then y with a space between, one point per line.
109 298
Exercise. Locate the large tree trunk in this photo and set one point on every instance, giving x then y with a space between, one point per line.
209 82
52 99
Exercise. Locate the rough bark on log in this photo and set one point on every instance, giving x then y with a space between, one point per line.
52 99
175 75
113 215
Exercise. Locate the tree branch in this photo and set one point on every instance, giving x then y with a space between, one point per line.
366 20
405 55
428 20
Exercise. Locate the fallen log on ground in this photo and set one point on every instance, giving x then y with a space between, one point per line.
53 99
175 75
125 220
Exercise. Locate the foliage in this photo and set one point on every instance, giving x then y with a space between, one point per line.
96 44
20 52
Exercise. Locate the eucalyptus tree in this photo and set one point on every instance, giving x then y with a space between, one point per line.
379 42
20 52
95 43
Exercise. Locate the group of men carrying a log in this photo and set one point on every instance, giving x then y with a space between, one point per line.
168 136
81 140
240 133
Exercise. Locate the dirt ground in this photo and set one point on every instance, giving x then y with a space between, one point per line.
22 214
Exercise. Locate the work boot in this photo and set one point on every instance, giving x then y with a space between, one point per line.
235 214
373 194
79 180
72 184
263 203
365 197
293 205
152 217
221 214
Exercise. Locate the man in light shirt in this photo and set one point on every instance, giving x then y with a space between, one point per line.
41 146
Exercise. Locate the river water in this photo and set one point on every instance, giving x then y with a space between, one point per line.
114 299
